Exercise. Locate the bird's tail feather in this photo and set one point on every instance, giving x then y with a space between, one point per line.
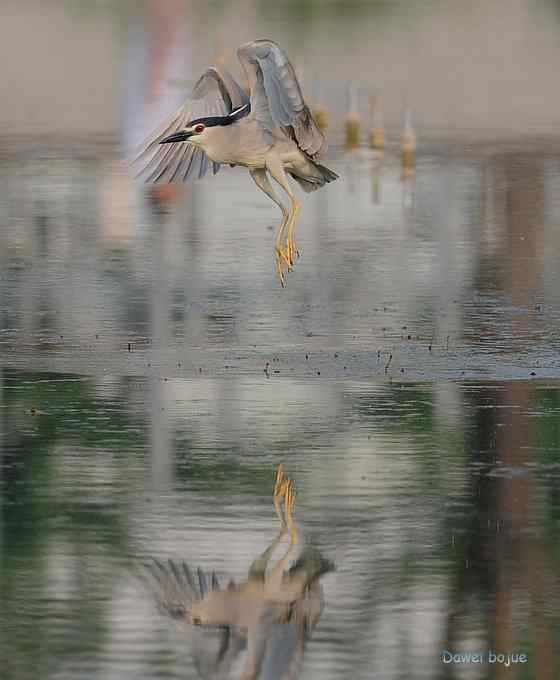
313 564
324 175
328 175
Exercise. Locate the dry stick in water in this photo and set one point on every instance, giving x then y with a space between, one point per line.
388 363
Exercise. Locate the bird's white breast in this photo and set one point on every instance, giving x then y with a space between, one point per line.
242 143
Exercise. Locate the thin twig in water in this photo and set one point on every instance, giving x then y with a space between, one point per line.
388 363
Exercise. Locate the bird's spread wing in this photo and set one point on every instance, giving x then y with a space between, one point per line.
276 97
174 586
215 94
238 96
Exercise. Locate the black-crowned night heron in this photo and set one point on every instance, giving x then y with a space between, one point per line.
253 630
268 129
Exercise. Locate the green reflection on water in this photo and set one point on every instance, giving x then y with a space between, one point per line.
75 465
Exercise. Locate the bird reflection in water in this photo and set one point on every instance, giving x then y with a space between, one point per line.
252 630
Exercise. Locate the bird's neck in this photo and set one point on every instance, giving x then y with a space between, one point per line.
217 144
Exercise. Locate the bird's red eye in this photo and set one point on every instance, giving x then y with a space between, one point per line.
199 128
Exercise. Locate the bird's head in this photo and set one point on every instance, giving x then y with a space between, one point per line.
195 132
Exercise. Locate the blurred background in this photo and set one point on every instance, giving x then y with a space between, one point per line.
153 373
487 66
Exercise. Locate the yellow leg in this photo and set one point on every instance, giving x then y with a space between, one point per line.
258 567
276 169
282 257
291 244
273 584
290 503
279 493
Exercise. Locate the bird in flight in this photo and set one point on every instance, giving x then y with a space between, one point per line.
256 629
268 129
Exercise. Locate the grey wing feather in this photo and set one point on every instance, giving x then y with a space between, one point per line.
287 641
174 587
215 94
239 97
173 594
284 654
214 648
188 576
202 582
276 97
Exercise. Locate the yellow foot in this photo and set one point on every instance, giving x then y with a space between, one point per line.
283 254
280 481
280 487
292 252
289 512
290 500
281 264
280 272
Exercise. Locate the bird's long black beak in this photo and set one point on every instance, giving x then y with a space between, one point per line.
176 137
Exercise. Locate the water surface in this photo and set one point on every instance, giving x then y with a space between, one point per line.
153 373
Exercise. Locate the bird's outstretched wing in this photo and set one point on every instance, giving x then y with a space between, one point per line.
215 94
175 588
276 97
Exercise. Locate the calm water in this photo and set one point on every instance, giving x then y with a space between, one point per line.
153 373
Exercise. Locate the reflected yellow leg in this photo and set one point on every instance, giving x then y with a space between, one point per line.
258 567
280 487
290 504
274 582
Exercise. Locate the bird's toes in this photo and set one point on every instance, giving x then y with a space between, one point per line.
280 272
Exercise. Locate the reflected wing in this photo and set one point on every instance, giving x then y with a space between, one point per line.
276 97
286 642
215 94
173 586
176 587
285 647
